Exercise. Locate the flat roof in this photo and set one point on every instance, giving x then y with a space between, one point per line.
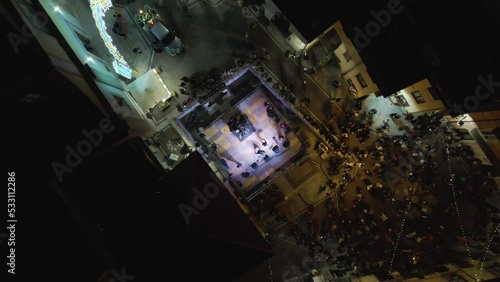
233 151
311 18
137 205
148 90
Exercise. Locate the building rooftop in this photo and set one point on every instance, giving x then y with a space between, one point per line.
248 127
311 18
137 207
106 213
450 42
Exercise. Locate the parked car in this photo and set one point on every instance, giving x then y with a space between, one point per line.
170 42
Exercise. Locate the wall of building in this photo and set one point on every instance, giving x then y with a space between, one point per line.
65 65
347 45
485 122
270 9
124 105
38 24
69 26
351 64
428 104
351 78
105 79
66 24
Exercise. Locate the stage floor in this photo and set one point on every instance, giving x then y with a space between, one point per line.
232 151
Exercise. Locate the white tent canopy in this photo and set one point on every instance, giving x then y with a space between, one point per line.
149 90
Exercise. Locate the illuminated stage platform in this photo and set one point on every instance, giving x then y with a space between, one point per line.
267 142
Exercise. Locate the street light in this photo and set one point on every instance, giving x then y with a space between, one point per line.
306 57
461 122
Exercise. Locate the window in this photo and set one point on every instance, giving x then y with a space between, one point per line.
488 135
401 100
361 80
352 88
347 56
351 84
418 97
433 92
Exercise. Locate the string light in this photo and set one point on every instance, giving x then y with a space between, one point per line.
487 248
477 273
283 241
465 241
401 229
99 9
270 271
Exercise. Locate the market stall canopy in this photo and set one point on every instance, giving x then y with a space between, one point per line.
149 90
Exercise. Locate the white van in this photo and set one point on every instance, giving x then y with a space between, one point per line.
172 44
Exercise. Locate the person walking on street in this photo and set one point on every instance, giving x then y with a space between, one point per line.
136 50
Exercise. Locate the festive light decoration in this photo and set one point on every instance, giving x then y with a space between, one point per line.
478 267
494 234
401 229
465 242
99 9
270 271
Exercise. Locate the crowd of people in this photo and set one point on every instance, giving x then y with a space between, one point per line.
420 202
